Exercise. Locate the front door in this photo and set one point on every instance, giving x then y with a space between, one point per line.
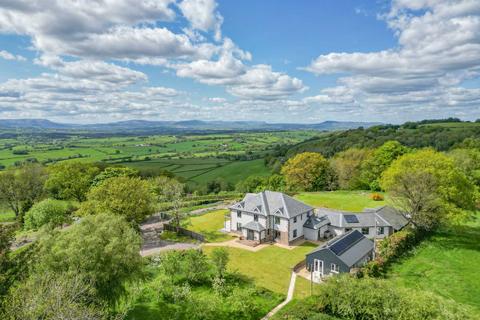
250 235
317 270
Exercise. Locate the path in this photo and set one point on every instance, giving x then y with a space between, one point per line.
291 290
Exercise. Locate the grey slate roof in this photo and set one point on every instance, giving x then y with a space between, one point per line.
271 203
314 222
253 225
365 219
355 247
392 216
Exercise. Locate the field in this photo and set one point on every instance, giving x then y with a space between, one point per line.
197 159
270 267
198 171
446 264
209 225
340 200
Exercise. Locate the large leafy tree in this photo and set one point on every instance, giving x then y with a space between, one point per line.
113 172
430 188
381 159
70 180
20 188
172 191
103 249
48 211
131 198
307 171
52 296
468 160
347 165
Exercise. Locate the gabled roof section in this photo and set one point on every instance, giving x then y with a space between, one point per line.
343 219
271 203
314 222
391 216
253 225
349 248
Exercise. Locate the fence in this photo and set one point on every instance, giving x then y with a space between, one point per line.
185 232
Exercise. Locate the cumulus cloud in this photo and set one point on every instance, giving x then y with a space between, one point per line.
202 15
438 48
10 56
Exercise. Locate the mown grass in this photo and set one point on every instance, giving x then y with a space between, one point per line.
340 200
447 264
209 225
269 267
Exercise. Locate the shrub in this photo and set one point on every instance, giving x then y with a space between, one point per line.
48 211
376 197
191 266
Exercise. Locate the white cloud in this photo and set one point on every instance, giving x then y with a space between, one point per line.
10 56
438 49
202 15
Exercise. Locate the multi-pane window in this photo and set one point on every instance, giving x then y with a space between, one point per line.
380 230
277 220
239 214
295 233
294 219
334 268
365 230
255 217
239 226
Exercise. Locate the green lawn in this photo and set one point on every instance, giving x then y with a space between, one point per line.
270 267
446 264
340 200
209 225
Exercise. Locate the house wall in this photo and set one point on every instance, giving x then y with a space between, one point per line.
371 231
297 226
310 234
246 217
328 258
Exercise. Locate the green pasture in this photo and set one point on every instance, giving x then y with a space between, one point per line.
340 200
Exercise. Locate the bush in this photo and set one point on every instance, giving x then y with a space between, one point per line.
345 297
377 197
48 211
190 266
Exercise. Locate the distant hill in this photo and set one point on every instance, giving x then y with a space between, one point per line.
428 133
179 126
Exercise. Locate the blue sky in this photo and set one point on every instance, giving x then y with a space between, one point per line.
270 60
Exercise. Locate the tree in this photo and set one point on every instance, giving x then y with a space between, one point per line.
52 296
467 160
7 235
70 180
220 257
251 184
103 249
429 187
307 171
48 211
347 165
20 188
381 159
131 198
113 172
170 190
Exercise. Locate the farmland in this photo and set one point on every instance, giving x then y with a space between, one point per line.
196 159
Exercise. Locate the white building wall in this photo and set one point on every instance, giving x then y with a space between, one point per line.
297 226
310 234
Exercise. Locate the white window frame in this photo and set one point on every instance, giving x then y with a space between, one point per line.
255 217
295 233
239 214
275 220
316 266
368 230
294 219
382 229
334 268
239 225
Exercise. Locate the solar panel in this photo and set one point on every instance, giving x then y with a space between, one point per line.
351 218
346 242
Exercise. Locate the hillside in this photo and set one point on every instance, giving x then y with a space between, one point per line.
440 135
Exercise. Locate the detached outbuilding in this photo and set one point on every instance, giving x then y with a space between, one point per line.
350 250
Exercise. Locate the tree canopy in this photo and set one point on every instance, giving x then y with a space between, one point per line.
48 211
103 249
429 187
307 171
70 180
131 198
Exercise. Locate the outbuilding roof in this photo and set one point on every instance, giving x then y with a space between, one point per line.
391 215
271 203
350 247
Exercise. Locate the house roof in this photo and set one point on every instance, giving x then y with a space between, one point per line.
314 222
349 248
343 219
254 225
271 203
391 215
